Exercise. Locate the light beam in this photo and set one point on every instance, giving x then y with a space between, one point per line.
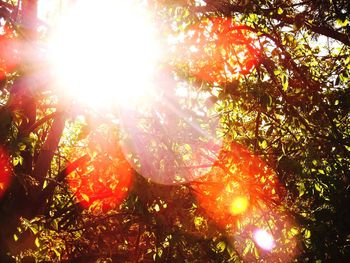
104 53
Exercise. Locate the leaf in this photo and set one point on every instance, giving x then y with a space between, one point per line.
187 147
246 250
277 72
157 208
307 233
22 147
37 242
301 188
284 80
256 252
33 229
58 254
45 184
321 171
263 144
318 187
85 197
160 252
280 11
221 246
198 221
342 23
293 232
17 160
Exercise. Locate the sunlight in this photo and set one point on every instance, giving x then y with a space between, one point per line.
5 171
264 239
174 140
101 183
104 55
239 205
216 50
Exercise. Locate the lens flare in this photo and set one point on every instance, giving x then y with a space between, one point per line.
264 239
9 51
105 54
236 182
102 181
104 187
4 171
174 139
270 233
239 205
217 50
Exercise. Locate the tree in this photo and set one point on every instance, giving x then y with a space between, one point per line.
272 186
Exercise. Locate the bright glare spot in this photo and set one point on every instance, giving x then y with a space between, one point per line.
172 39
239 205
200 3
193 49
263 239
104 53
181 91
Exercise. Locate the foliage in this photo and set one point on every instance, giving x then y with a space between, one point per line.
275 73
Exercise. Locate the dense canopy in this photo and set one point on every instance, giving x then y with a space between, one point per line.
174 131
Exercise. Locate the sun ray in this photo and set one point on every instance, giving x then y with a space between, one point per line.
105 54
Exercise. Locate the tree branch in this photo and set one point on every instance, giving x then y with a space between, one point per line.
40 122
228 9
46 154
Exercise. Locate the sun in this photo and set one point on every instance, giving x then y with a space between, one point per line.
104 53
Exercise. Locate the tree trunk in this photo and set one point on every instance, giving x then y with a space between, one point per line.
47 152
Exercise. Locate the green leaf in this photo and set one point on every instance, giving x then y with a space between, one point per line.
293 232
17 160
277 72
253 17
34 230
301 188
221 246
284 80
246 250
307 233
37 242
22 147
159 252
263 144
321 171
342 23
45 184
198 221
318 187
